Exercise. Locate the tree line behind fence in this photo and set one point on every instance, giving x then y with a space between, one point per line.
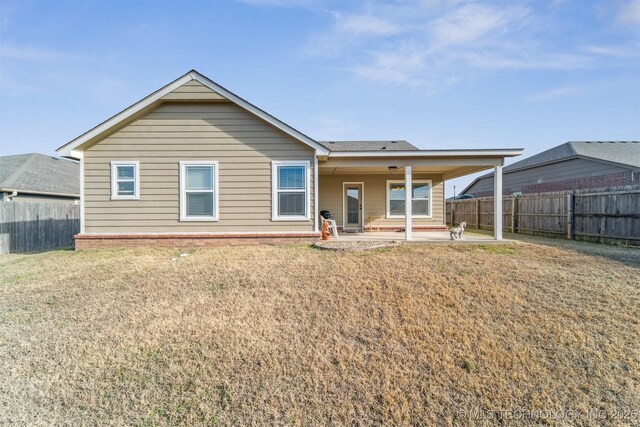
37 226
609 215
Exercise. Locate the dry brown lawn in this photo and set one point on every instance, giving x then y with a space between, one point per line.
292 335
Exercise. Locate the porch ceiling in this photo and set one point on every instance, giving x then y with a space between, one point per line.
447 163
447 171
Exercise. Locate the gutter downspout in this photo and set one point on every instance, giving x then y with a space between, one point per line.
8 197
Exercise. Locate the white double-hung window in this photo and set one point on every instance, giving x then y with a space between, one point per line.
420 198
125 180
199 190
290 190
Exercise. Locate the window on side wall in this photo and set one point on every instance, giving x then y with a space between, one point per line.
290 195
199 190
420 199
125 180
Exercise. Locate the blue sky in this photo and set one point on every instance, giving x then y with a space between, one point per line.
440 74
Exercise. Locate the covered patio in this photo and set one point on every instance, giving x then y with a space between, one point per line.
375 194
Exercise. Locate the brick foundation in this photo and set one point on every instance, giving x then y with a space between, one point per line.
104 241
601 181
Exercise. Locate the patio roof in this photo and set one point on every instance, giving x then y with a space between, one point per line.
449 163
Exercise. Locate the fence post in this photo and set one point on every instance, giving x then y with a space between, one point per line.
478 214
514 204
452 209
570 216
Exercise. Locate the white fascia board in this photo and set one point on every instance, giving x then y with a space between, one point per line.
321 150
69 149
509 152
39 193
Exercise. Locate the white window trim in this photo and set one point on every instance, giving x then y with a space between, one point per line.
415 181
114 179
183 191
274 190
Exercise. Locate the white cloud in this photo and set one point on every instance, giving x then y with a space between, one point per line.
433 44
610 50
31 53
560 92
363 25
552 61
280 3
398 66
470 23
629 13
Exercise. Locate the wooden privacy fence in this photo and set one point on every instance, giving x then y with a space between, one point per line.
37 226
611 216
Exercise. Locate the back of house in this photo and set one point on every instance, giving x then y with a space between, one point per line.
195 164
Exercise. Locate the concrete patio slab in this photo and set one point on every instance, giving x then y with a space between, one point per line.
423 236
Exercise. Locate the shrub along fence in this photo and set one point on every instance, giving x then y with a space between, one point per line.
608 215
37 226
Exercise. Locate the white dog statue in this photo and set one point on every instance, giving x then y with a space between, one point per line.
456 232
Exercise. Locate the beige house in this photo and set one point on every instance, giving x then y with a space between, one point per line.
195 164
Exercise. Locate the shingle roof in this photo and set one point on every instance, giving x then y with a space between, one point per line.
41 173
623 152
368 145
626 153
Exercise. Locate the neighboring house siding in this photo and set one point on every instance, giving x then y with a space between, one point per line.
243 144
566 175
375 198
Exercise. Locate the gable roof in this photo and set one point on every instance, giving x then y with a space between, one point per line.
623 153
40 174
70 149
368 145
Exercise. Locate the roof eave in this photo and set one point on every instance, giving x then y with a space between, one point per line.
506 152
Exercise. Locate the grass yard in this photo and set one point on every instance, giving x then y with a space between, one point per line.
291 335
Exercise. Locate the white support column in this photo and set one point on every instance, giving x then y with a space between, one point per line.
497 203
408 190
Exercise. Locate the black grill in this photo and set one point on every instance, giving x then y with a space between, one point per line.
326 214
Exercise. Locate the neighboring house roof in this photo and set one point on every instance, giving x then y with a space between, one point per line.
68 150
368 145
40 174
623 153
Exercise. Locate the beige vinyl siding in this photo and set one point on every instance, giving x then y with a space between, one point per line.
330 197
243 145
195 91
